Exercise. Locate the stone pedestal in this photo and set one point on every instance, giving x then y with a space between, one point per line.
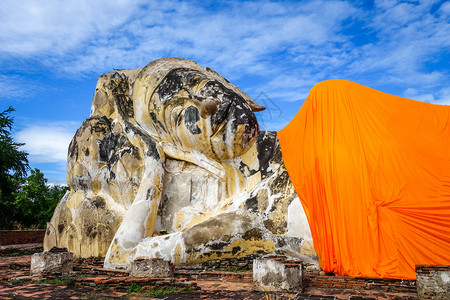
433 282
153 267
51 262
277 275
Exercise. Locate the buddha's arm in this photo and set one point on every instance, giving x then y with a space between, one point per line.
139 221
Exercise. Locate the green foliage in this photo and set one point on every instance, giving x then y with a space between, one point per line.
101 287
236 269
62 281
134 288
11 158
157 292
25 202
35 201
13 163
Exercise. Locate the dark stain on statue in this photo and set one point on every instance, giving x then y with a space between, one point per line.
191 117
124 105
108 147
252 204
170 85
246 170
112 176
153 150
147 139
213 89
82 181
60 227
275 227
233 108
156 121
253 234
100 125
235 250
91 231
217 245
176 80
280 183
265 143
222 111
99 202
73 148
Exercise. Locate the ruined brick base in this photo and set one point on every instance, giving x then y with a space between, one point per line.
433 282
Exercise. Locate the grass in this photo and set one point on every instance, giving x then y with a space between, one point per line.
20 253
80 275
97 297
235 269
157 292
63 281
168 290
19 281
100 287
134 288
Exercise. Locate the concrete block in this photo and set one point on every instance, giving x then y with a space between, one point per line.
274 275
153 267
51 262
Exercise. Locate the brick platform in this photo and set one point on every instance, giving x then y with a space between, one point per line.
433 282
15 237
89 274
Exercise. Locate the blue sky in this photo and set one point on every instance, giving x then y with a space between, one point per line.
53 51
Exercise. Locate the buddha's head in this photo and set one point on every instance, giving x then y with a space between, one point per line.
177 101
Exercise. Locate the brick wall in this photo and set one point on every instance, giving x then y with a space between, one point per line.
433 282
317 279
13 237
386 285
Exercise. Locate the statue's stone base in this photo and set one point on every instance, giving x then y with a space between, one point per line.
433 282
51 262
277 275
154 267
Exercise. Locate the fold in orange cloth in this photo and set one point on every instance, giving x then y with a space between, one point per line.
373 173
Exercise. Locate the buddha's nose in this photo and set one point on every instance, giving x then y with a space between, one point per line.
208 107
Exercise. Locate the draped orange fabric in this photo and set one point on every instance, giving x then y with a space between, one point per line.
373 173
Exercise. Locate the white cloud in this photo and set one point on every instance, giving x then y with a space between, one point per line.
91 36
14 87
290 45
238 39
443 96
284 47
408 36
47 142
52 27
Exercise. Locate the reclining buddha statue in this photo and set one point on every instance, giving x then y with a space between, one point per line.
172 164
175 148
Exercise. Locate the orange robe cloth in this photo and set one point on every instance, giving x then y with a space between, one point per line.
373 173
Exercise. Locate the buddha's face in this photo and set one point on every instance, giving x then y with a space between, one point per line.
197 112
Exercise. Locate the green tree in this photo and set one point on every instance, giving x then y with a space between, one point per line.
35 201
13 164
25 201
54 194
